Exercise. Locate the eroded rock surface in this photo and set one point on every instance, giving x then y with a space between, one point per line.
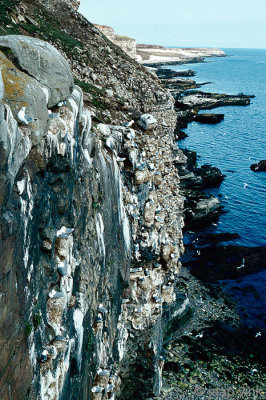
91 235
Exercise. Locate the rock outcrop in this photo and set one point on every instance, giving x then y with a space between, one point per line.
127 44
258 167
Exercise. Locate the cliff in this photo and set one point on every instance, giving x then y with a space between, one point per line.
127 44
91 214
155 54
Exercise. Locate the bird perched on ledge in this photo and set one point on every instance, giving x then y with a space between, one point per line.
26 119
128 124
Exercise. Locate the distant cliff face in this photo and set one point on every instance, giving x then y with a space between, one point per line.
127 44
91 215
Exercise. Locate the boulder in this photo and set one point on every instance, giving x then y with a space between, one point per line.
201 210
21 90
147 122
259 167
43 62
211 176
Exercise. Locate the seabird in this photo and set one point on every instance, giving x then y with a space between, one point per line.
26 119
199 335
110 142
62 269
120 159
245 185
242 265
53 115
44 357
55 295
258 334
64 232
128 124
253 371
102 309
103 372
61 103
97 389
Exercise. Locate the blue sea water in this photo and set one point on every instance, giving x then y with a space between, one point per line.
233 145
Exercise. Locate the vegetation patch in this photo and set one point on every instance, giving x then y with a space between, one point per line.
27 329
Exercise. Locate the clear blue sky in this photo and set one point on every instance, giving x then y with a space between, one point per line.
223 23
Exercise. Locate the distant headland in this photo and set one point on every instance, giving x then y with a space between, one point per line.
155 54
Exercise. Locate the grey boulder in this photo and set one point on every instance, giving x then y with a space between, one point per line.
147 122
43 62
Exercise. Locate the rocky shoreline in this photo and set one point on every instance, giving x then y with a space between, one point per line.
208 361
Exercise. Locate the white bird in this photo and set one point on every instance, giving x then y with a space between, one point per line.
245 185
226 197
55 295
128 124
44 356
253 371
64 232
61 103
103 372
258 334
26 119
199 335
242 265
102 309
120 159
97 389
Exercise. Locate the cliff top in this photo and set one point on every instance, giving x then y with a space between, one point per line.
110 78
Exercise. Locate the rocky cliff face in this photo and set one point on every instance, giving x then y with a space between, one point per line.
127 44
91 214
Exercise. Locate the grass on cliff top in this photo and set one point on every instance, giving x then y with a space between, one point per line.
47 26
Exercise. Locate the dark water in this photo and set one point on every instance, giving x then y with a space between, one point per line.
233 145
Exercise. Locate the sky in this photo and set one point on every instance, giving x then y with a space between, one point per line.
197 23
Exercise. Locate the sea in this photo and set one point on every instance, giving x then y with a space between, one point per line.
233 145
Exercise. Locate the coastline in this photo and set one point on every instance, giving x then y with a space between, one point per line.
153 55
209 371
